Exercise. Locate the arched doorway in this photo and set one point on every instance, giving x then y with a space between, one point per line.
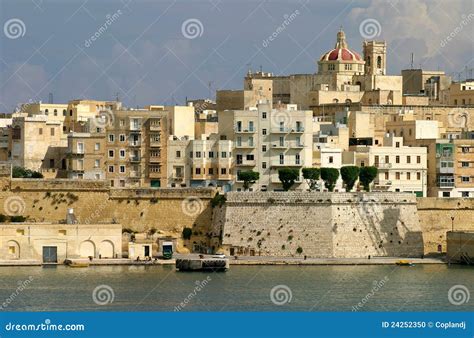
106 249
87 249
13 249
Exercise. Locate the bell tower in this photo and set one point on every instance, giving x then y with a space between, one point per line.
375 57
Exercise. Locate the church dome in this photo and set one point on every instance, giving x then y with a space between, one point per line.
341 52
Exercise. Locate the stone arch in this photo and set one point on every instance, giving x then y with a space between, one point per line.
106 249
335 100
13 250
87 248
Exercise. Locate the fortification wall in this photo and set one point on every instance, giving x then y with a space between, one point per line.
321 224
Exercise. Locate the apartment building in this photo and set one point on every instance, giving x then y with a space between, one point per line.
200 163
266 140
459 94
464 167
86 156
400 168
136 147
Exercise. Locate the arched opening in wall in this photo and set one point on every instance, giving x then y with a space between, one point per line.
358 83
106 249
379 61
348 101
13 250
87 249
335 101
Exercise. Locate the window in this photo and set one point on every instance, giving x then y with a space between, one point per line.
223 154
198 154
211 171
249 157
178 154
111 137
446 194
386 175
55 112
465 179
397 159
418 159
250 125
331 66
465 149
122 153
408 176
211 154
408 159
397 175
122 137
198 171
379 61
465 194
20 232
111 169
397 144
122 123
97 146
80 147
96 163
40 131
64 112
264 147
223 171
80 164
418 176
264 115
465 164
70 112
331 159
264 131
122 169
111 154
264 165
51 163
52 131
297 159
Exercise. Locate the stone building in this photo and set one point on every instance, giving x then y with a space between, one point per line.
266 140
86 156
459 94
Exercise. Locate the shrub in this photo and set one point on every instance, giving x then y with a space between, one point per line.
187 233
299 251
288 176
367 175
3 218
330 176
349 175
17 219
311 175
218 200
19 172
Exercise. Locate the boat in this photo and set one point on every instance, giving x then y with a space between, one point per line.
202 264
404 262
73 264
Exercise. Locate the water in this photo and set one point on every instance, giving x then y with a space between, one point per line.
242 288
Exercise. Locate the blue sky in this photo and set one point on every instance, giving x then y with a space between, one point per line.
144 56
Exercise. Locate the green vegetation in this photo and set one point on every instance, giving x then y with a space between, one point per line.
3 218
329 176
218 200
288 176
311 175
249 178
367 175
349 175
17 219
19 172
187 233
299 251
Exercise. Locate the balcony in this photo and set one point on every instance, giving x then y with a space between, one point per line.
246 163
179 176
383 165
135 143
135 174
155 143
155 159
287 163
279 145
155 127
135 158
154 174
280 130
245 130
296 144
446 184
245 145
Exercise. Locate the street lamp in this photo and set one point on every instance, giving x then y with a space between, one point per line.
452 223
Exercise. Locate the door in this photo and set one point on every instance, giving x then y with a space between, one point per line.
147 251
50 254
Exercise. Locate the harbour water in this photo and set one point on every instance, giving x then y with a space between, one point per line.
242 288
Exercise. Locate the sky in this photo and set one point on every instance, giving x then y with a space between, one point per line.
162 52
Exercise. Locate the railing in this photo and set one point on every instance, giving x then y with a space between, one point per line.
245 130
383 165
244 163
287 163
136 143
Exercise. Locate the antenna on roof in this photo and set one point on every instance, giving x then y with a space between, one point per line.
117 97
50 98
412 59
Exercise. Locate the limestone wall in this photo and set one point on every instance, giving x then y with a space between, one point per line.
321 224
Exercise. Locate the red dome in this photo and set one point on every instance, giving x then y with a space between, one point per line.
341 54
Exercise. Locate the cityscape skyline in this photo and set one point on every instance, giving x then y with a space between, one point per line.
143 67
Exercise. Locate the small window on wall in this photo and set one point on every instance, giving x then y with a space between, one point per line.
20 232
62 232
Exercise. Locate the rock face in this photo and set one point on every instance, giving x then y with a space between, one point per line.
319 224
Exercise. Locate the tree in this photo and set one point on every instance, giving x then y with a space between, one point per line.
249 177
367 175
19 172
187 233
311 175
329 176
287 177
349 175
